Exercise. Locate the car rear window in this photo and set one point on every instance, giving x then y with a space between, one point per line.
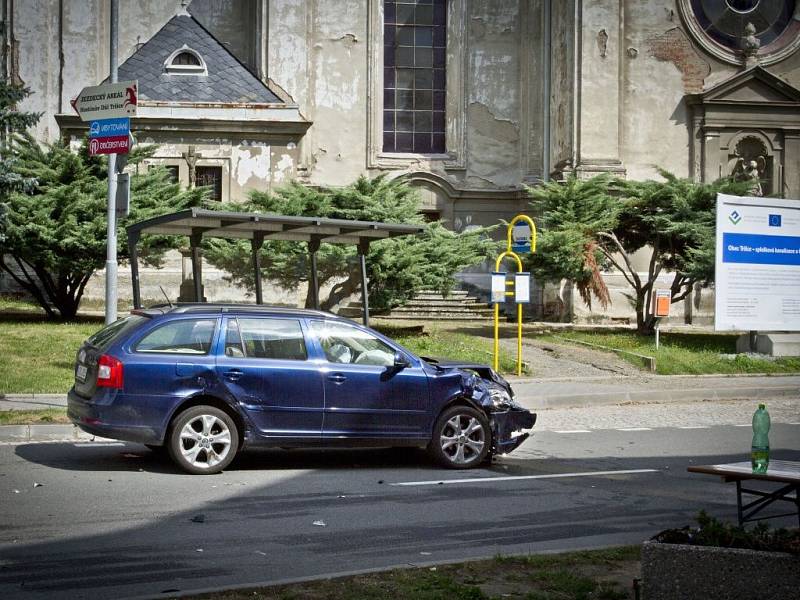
186 336
106 336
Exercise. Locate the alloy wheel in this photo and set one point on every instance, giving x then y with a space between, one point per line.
205 441
462 439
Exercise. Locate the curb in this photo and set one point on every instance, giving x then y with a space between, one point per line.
43 433
659 397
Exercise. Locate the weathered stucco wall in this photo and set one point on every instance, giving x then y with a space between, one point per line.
493 97
233 23
320 60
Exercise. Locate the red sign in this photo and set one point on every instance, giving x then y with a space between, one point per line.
118 144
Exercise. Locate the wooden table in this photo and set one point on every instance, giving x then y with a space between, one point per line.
779 471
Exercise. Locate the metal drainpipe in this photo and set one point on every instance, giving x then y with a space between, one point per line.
60 56
546 58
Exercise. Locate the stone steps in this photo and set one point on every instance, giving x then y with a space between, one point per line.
431 306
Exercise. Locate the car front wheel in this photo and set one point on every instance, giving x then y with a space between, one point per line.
203 440
461 438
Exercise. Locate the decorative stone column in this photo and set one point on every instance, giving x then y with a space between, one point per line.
600 101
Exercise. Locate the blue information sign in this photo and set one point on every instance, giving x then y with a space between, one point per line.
110 128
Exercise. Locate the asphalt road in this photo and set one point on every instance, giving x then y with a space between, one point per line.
117 521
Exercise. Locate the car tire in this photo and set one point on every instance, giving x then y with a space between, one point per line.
461 438
203 440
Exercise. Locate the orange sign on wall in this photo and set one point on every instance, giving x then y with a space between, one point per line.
662 299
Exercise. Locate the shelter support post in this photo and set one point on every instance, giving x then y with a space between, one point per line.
197 274
313 246
133 240
363 250
257 242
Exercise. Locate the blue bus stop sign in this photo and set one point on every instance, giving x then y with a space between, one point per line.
521 238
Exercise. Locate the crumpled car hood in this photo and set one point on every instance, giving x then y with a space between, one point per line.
483 371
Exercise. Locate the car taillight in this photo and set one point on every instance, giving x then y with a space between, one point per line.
109 372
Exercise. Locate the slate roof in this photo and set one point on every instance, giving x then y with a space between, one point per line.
228 80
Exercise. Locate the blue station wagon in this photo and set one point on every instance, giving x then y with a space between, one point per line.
203 381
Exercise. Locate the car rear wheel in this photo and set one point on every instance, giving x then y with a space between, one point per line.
461 438
203 440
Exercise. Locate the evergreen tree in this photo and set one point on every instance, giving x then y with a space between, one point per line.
572 213
55 235
12 123
600 223
396 267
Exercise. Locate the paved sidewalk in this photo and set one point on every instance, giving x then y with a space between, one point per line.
595 391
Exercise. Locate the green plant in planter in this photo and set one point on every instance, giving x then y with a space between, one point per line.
713 532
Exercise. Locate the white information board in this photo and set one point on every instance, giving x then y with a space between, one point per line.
757 264
522 288
498 287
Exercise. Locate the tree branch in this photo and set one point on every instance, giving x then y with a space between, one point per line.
611 236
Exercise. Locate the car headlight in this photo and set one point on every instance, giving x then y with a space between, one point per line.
501 398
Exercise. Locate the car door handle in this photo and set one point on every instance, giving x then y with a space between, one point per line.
337 378
233 374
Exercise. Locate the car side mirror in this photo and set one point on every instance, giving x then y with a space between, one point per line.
400 361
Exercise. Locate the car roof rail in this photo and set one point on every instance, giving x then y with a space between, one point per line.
224 307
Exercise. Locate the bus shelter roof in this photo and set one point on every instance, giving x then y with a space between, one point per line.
212 223
197 223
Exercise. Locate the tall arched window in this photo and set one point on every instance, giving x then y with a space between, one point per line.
414 60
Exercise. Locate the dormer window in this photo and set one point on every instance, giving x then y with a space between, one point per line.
185 61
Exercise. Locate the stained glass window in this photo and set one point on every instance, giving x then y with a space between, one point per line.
414 76
725 20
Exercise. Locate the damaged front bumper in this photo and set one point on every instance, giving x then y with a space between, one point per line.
510 428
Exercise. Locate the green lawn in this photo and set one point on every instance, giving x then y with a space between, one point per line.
46 416
686 353
440 343
593 575
38 356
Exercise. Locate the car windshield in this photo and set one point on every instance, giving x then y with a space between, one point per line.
103 338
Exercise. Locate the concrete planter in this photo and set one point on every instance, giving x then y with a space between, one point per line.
679 572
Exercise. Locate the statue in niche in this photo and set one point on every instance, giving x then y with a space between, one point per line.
750 162
750 170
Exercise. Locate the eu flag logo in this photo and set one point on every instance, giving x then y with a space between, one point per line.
774 220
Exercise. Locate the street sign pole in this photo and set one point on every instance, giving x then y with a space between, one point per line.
111 243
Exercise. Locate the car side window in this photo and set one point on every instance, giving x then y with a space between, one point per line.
280 339
185 336
345 344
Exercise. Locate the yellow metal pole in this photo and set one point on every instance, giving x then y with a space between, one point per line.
499 260
519 339
496 336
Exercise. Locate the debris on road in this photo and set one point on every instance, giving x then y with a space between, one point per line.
319 523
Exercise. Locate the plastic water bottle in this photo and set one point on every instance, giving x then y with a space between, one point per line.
760 450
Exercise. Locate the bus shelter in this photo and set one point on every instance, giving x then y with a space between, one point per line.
197 223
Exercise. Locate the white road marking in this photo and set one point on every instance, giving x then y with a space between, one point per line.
793 423
521 477
694 427
573 431
635 429
745 425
